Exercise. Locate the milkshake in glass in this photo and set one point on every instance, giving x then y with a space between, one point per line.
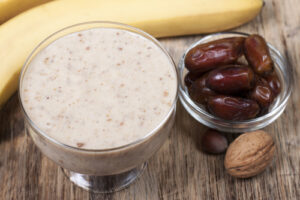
99 99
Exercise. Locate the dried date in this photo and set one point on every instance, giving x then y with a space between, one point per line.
205 57
190 78
258 55
232 108
262 94
199 91
231 79
274 83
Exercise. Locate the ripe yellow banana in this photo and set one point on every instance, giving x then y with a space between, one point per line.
10 8
20 35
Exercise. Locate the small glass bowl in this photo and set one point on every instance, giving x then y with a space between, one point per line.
200 113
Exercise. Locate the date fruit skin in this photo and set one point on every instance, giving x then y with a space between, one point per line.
199 91
205 57
231 79
213 142
258 55
190 78
262 94
274 83
232 108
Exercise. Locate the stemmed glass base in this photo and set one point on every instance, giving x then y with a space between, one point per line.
105 184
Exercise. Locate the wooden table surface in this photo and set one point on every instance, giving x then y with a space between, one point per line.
178 170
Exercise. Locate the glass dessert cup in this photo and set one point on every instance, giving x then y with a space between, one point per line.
200 113
100 170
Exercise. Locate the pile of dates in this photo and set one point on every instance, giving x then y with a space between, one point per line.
233 77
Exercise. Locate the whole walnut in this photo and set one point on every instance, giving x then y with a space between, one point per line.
249 154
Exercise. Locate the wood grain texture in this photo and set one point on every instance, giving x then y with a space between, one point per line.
178 170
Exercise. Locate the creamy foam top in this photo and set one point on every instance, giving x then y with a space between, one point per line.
99 88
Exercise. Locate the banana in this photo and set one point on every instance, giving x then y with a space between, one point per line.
10 8
21 34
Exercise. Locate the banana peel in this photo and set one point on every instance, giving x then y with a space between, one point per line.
10 8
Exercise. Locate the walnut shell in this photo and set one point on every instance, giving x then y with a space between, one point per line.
249 154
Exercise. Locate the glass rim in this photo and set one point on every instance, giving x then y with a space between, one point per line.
226 123
98 25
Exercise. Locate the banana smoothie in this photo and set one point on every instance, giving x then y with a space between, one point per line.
100 88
